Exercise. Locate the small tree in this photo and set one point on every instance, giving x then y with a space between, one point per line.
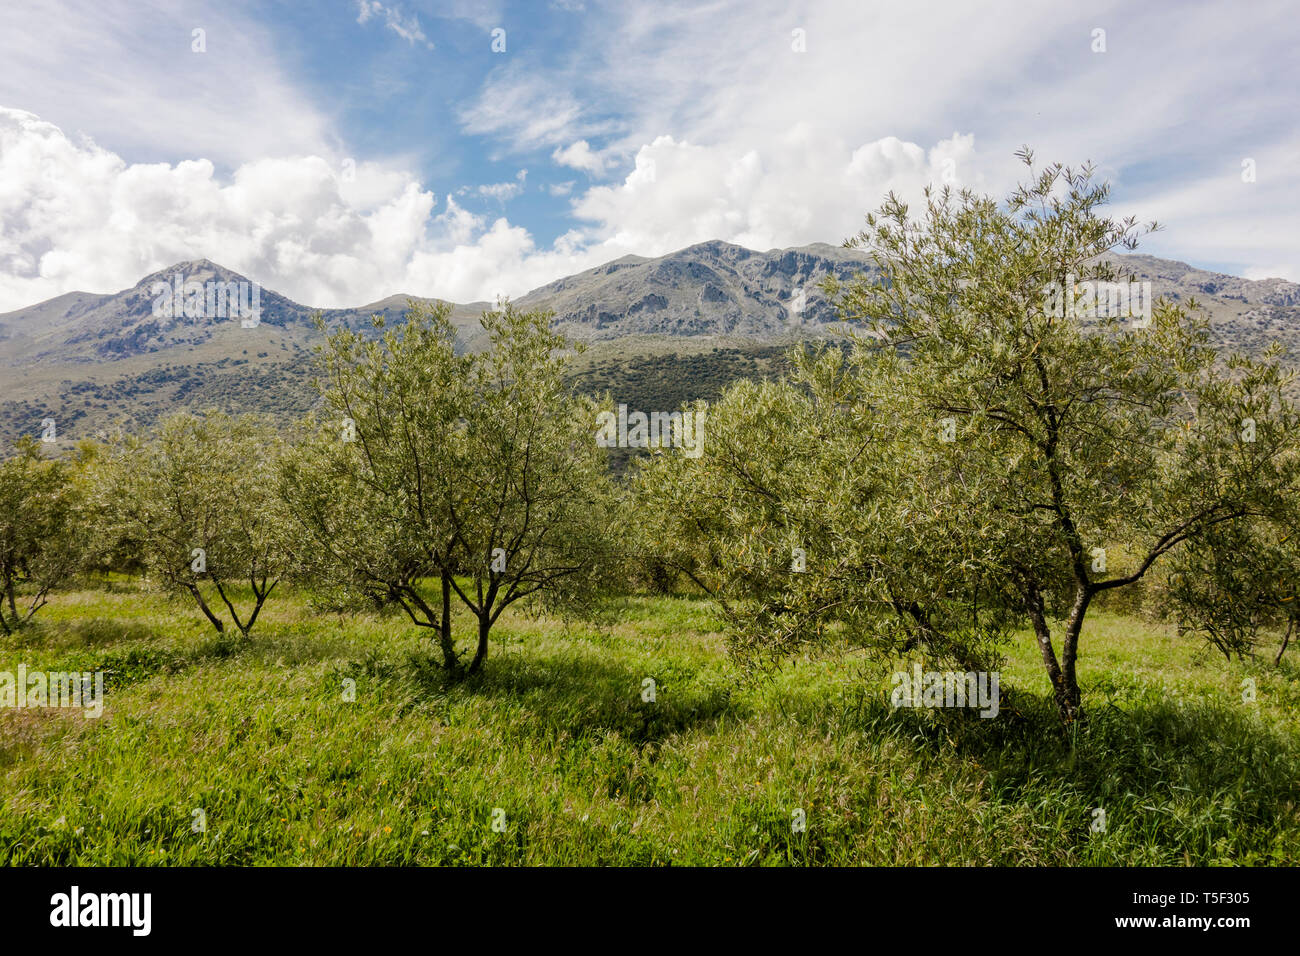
813 509
1232 581
368 486
434 466
982 449
1081 428
40 531
530 503
196 500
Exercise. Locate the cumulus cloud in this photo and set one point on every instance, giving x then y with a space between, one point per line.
581 156
74 216
797 192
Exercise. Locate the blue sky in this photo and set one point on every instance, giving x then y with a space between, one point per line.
342 151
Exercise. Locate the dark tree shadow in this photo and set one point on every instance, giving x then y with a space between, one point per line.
1204 756
580 694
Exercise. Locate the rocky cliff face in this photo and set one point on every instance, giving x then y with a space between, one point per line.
713 288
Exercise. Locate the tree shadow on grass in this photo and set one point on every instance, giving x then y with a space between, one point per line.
581 693
1201 773
129 652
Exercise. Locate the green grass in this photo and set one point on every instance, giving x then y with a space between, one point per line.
554 733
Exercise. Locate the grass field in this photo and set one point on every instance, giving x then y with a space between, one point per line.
555 735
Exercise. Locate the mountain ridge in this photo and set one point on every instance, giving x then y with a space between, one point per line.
84 357
575 311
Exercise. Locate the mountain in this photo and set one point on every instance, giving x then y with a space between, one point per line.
83 328
662 329
709 289
714 288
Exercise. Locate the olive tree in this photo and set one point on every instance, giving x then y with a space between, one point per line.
814 509
987 454
530 503
1078 431
437 476
196 501
368 485
1233 581
41 530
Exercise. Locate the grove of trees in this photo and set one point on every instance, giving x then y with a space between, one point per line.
977 463
966 464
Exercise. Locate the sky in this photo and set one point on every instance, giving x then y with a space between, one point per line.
342 151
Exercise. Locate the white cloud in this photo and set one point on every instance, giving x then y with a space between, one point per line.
581 156
502 192
74 216
798 191
1248 228
406 27
700 121
528 110
115 69
751 117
